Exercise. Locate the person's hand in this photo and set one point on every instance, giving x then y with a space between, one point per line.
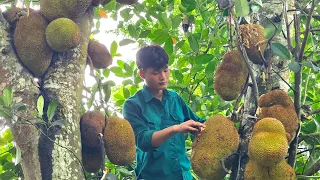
189 126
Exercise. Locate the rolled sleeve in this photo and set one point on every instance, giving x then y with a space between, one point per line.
132 112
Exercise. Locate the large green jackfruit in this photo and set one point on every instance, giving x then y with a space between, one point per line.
275 97
31 45
216 142
63 35
252 34
99 55
52 9
268 145
92 159
92 123
230 76
119 141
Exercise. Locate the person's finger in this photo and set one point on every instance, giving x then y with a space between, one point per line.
192 129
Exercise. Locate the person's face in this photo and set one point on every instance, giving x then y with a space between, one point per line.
156 79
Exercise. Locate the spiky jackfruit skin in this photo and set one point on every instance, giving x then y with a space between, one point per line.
230 76
252 34
268 145
281 171
52 9
217 141
91 124
119 141
31 45
127 2
287 116
92 159
277 104
99 55
63 34
95 2
75 8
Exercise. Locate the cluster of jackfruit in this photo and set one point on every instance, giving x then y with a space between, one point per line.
215 143
230 76
252 35
277 104
116 134
267 150
99 55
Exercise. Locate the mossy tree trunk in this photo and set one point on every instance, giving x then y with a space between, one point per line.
274 74
47 153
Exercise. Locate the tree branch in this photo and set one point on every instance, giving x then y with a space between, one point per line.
287 26
312 169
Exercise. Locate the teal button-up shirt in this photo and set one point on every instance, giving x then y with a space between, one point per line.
146 115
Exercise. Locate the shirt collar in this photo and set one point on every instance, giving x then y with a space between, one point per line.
148 95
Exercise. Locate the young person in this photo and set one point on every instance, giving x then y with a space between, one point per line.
159 118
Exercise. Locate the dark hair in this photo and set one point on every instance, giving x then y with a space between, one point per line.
153 56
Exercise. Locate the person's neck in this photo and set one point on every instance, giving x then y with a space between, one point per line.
156 93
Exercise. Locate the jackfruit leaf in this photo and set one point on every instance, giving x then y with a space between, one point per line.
132 31
18 156
19 107
27 3
7 175
179 44
2 101
40 105
164 21
107 92
204 34
106 73
36 120
119 102
112 5
98 24
128 69
294 66
309 64
144 34
113 48
94 89
125 14
126 92
124 171
139 7
281 51
95 31
120 63
256 2
255 8
210 68
204 58
193 43
127 82
59 122
188 4
178 76
125 42
242 7
176 21
309 127
269 29
168 46
52 109
7 96
5 114
182 9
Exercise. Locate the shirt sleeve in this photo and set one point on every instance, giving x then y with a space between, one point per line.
188 113
143 135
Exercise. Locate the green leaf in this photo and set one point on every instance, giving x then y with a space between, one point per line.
255 8
176 21
40 105
106 72
127 82
179 44
5 114
98 24
7 96
125 14
18 156
107 92
19 107
113 48
132 31
242 7
125 42
168 46
164 21
188 4
193 43
59 122
52 109
126 92
204 58
144 34
294 66
281 51
269 29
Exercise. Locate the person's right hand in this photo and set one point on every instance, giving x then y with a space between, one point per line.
189 126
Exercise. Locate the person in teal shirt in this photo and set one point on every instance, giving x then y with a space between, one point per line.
159 118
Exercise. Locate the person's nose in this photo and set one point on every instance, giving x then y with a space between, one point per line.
162 75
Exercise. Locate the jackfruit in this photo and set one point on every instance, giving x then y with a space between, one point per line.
91 124
72 9
99 55
216 142
275 97
104 2
95 2
127 2
281 171
63 34
252 34
268 148
31 45
119 141
92 159
12 15
230 76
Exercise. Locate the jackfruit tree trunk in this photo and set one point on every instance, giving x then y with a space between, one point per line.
53 153
277 76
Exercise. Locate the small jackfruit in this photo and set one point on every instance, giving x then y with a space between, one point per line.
253 171
31 45
75 8
127 2
63 34
217 141
230 76
52 9
12 15
91 124
252 34
268 148
99 55
92 159
119 141
275 97
282 171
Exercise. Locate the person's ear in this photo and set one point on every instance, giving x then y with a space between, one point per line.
141 73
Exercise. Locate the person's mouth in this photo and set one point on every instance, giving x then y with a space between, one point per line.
163 83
